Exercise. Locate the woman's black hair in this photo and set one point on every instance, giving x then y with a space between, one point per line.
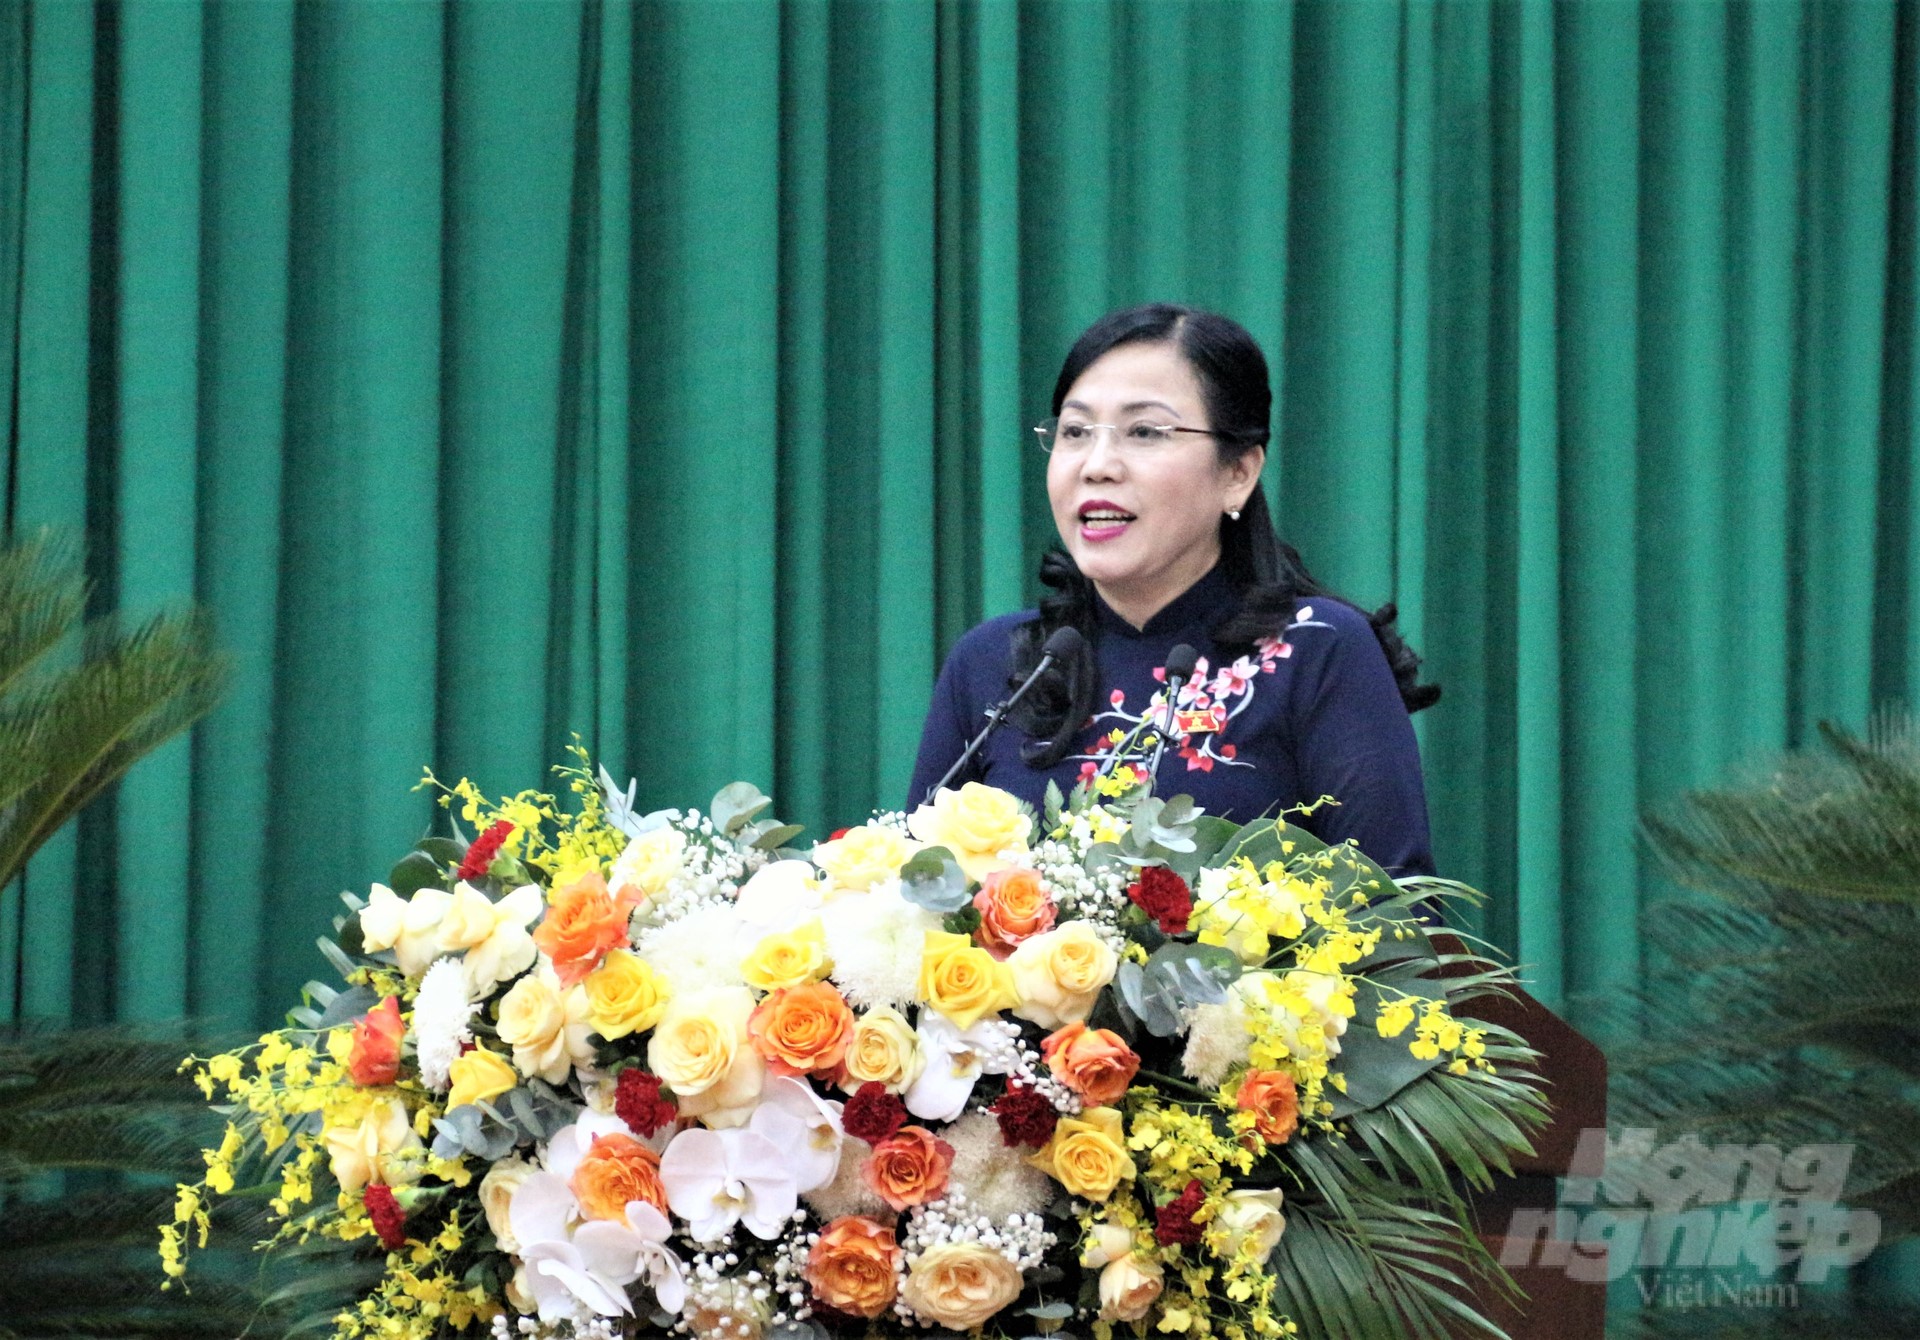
1265 569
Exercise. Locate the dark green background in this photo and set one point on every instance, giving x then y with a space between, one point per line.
661 372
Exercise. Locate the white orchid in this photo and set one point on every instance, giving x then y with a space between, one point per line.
568 1264
493 935
715 1179
955 1062
803 1124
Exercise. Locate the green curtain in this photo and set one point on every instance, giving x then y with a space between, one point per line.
660 372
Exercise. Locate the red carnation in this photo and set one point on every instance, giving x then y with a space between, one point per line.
1164 896
1174 1222
637 1100
485 847
389 1220
1026 1118
873 1114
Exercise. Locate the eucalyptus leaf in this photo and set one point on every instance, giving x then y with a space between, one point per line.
775 835
1055 1311
734 804
935 881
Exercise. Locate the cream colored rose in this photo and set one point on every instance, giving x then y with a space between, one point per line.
496 1198
975 823
1252 1217
549 1027
1128 1287
1059 974
700 1050
519 1297
1104 1243
649 861
885 1050
960 1284
411 929
862 857
362 1149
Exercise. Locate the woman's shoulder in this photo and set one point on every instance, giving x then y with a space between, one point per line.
990 642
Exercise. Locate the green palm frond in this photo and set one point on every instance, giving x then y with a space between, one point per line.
96 1128
67 732
1783 1007
1362 1261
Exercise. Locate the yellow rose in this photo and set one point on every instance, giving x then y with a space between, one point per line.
885 1050
546 1025
791 958
478 1076
975 823
1059 974
649 861
865 856
963 981
1087 1154
700 1051
362 1149
961 1284
496 1198
1128 1287
624 995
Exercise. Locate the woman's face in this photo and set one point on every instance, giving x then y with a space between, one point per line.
1142 521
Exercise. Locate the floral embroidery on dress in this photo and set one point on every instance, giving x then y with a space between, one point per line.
1212 696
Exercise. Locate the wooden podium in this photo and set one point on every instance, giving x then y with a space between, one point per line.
1557 1306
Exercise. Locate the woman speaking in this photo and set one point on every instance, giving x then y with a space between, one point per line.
1154 453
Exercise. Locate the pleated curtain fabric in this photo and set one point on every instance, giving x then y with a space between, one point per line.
661 372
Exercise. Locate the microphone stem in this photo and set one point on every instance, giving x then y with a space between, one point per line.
995 715
1174 685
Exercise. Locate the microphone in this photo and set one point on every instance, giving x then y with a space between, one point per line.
1179 669
1180 665
1064 645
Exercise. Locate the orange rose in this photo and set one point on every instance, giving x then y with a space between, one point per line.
855 1266
909 1167
1094 1062
1013 906
802 1030
375 1058
615 1170
582 923
1270 1096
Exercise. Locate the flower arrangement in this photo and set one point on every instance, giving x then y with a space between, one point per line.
1117 1066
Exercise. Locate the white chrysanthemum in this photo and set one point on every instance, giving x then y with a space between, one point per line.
848 1192
700 951
441 1014
876 942
998 1181
1217 1040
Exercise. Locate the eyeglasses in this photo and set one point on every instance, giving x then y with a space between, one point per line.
1074 435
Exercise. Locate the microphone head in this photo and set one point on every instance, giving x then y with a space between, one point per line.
1180 662
1065 643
